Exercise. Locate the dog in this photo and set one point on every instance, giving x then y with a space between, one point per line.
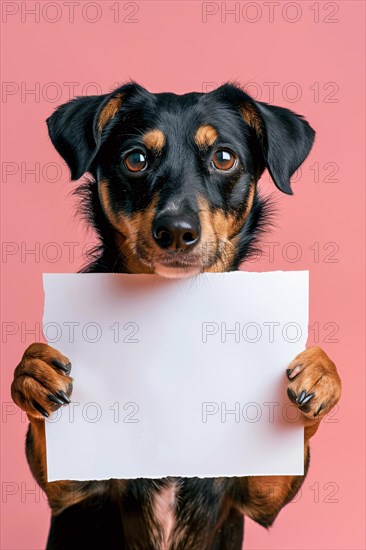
172 190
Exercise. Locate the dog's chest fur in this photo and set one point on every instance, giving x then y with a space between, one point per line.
173 513
164 506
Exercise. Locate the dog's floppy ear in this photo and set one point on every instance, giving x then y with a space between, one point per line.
78 127
286 140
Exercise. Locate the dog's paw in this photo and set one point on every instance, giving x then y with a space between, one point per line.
41 381
315 386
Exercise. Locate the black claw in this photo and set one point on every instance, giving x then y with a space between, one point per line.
40 409
55 399
288 372
307 398
305 408
320 408
68 366
63 396
292 395
65 368
301 397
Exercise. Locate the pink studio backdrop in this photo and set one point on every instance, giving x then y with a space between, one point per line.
306 56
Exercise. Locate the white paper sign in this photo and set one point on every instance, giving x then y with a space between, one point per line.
176 378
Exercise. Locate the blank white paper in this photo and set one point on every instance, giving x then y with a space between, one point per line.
176 377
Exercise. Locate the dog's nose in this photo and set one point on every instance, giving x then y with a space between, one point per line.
176 232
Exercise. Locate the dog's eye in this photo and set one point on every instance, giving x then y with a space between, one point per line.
224 159
135 161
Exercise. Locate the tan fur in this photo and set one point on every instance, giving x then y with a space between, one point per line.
219 230
251 117
266 494
109 111
205 136
229 224
218 233
114 219
318 374
155 140
34 378
129 229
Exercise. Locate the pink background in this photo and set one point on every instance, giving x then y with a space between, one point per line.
169 47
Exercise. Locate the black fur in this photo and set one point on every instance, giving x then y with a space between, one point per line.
278 140
282 145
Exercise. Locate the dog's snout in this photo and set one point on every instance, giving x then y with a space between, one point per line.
176 231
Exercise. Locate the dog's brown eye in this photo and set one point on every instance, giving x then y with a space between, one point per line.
224 159
135 161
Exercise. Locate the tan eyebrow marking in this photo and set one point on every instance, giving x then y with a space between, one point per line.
154 139
205 136
109 111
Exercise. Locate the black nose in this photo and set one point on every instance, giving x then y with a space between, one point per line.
176 231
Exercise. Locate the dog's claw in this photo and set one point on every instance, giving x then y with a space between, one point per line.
301 397
307 398
55 399
314 384
320 408
63 396
292 395
40 409
65 368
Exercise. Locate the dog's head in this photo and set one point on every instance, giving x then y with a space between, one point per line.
174 187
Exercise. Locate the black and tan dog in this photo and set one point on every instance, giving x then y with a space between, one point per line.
173 192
